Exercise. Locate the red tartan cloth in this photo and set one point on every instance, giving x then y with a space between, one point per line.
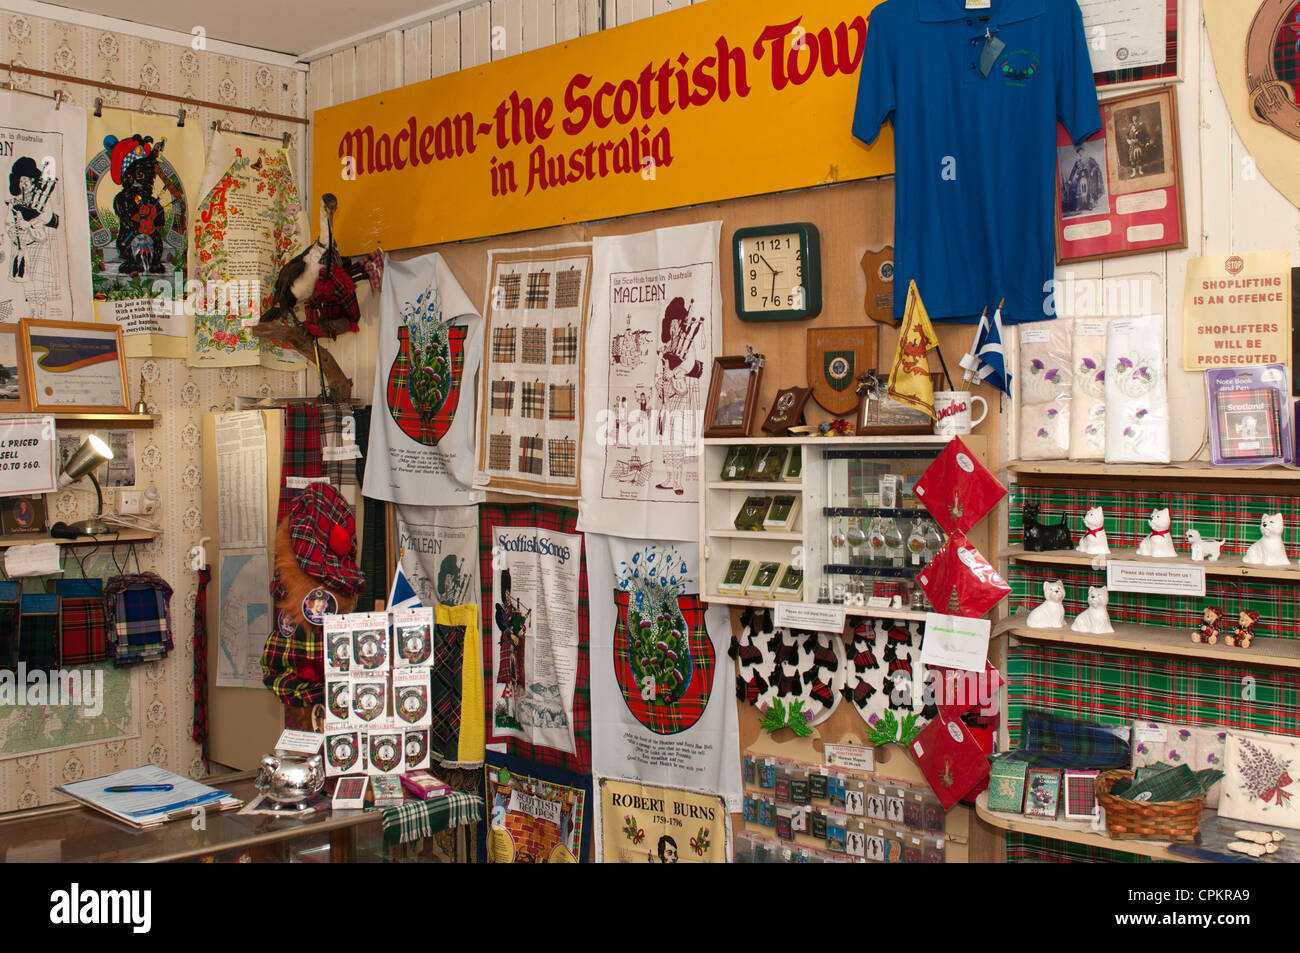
661 717
333 300
430 427
558 519
301 450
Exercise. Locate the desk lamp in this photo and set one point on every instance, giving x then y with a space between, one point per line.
90 456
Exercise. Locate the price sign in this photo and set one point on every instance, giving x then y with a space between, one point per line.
28 455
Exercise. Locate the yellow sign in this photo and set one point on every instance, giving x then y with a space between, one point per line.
1237 310
709 102
645 823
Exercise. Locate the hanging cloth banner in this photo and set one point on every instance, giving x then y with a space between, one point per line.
248 222
141 175
662 709
45 248
642 823
656 322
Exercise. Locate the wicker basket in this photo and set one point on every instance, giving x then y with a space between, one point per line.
1174 821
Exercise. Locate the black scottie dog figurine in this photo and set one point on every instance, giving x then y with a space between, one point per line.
1039 536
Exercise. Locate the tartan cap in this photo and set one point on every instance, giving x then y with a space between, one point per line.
323 534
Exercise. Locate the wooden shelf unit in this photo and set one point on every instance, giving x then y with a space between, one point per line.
89 421
108 539
873 612
1228 567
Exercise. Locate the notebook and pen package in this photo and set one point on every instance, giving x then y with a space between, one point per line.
148 796
1250 415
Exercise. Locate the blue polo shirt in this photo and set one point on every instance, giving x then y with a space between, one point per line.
975 155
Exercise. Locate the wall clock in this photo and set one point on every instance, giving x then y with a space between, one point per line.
778 270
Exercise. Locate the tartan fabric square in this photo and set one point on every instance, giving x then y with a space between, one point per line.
533 350
564 345
532 400
332 417
557 519
138 611
563 402
503 398
499 452
83 633
38 631
530 455
509 291
539 289
563 458
445 700
503 345
302 425
568 288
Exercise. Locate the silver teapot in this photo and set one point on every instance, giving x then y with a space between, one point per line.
290 779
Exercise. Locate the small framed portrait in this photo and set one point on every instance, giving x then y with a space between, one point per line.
733 396
14 398
22 514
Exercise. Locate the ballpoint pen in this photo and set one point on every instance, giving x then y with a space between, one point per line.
137 788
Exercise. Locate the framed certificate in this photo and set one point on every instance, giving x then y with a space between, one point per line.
74 366
1132 41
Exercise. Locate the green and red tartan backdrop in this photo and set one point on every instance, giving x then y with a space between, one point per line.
558 519
1117 688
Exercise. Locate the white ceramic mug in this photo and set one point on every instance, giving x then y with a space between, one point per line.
953 410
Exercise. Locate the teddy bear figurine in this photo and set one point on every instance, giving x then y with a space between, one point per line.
1244 631
1207 630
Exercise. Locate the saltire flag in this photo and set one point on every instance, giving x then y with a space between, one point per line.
909 377
986 361
402 595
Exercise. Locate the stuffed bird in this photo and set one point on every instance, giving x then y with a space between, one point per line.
296 282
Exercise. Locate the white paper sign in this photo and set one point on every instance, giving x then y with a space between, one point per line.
810 616
299 742
1173 580
28 456
955 641
853 757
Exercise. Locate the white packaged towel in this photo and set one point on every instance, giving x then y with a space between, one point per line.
1137 400
1088 391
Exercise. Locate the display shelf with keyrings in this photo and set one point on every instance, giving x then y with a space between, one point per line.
857 534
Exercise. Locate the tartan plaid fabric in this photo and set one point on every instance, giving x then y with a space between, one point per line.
137 608
333 300
38 631
530 455
424 424
677 716
373 558
323 534
445 700
1286 54
564 345
499 452
509 285
539 289
532 400
199 731
301 450
558 519
563 458
563 401
9 615
416 819
503 345
1055 741
332 418
1176 783
502 398
568 288
533 348
83 632
281 658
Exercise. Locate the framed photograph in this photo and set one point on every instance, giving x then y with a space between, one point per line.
73 366
1121 192
13 390
1138 45
733 395
22 514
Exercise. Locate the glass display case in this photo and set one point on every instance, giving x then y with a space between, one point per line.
857 536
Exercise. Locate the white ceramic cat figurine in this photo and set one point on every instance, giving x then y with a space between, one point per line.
1203 548
1050 614
1158 543
1095 618
1268 550
1094 542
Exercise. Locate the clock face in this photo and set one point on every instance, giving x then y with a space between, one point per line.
772 273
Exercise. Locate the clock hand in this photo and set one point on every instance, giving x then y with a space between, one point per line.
769 266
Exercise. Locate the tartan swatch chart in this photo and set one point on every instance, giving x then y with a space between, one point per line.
531 417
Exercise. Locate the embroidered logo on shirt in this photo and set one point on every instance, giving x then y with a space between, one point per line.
1018 67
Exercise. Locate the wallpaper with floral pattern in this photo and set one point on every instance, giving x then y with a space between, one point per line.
169 456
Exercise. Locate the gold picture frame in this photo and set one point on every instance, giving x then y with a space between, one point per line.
73 366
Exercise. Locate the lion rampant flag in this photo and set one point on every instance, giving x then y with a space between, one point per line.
909 378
